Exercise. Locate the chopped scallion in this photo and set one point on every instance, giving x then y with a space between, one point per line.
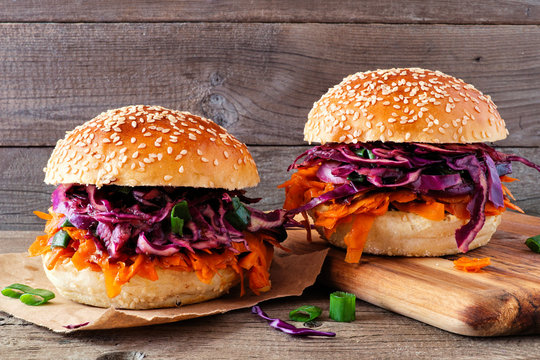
179 216
60 239
305 313
15 290
240 216
66 223
533 243
342 306
36 297
28 295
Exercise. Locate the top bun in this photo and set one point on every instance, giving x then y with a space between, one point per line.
404 105
151 146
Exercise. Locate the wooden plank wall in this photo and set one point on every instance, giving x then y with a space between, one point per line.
255 68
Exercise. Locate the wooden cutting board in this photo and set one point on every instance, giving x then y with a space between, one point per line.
503 299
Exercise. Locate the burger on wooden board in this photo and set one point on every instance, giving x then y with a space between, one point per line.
402 168
149 212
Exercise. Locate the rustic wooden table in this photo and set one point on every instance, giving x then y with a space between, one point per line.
255 68
376 333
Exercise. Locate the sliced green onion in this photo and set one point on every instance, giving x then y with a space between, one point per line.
365 153
342 306
15 290
356 177
305 313
240 216
179 216
60 239
66 223
533 243
36 297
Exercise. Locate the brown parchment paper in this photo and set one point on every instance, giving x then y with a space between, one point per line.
290 273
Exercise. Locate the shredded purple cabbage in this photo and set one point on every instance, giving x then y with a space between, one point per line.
429 169
75 326
136 220
288 328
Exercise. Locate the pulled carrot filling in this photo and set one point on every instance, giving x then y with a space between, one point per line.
253 259
471 264
362 208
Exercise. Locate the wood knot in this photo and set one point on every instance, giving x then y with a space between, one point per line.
217 108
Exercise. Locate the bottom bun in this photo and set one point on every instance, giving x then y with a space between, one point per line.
173 288
400 233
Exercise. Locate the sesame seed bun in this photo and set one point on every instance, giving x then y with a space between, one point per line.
151 146
398 233
173 288
404 105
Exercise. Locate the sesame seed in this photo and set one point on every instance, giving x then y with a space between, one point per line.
133 140
226 154
183 152
169 150
167 177
134 124
141 146
199 152
216 162
181 169
204 160
192 137
407 136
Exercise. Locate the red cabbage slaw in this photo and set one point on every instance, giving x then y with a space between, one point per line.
288 328
134 220
428 169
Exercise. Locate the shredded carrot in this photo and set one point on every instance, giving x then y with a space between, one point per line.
356 238
362 208
431 210
471 264
254 258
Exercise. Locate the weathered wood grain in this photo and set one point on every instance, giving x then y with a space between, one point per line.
258 80
22 189
502 300
385 11
376 333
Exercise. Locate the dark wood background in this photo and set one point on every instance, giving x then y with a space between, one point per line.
254 67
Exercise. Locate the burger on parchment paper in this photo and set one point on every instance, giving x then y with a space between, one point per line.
402 168
149 212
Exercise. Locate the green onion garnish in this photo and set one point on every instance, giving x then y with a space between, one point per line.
66 223
533 243
60 239
179 216
240 216
365 153
28 295
356 177
305 313
342 306
36 297
15 290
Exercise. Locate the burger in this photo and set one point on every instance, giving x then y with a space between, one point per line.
402 168
149 212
